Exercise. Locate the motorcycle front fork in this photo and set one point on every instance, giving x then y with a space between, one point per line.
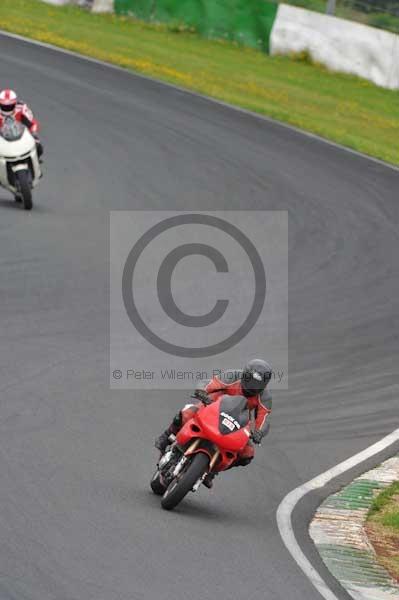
211 465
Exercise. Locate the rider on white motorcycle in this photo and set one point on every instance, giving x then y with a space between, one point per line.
10 106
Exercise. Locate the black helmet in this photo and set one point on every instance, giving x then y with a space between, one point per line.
255 377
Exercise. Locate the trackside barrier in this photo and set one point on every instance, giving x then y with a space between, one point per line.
340 45
247 22
78 2
101 6
57 2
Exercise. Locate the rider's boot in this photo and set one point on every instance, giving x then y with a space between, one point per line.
240 462
208 481
162 441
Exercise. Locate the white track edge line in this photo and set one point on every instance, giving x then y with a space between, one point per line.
244 111
288 504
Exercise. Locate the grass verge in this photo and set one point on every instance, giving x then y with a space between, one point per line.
383 528
342 108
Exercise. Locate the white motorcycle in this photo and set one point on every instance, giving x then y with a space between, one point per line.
19 164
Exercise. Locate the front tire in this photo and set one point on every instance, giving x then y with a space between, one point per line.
182 485
24 188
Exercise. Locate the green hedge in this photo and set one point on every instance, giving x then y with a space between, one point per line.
247 22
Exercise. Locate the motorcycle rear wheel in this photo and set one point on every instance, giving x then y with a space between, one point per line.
184 482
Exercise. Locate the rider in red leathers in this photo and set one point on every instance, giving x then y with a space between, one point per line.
251 383
10 106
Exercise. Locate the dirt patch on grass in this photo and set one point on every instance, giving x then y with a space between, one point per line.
383 532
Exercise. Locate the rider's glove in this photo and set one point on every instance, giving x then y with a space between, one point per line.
257 436
202 395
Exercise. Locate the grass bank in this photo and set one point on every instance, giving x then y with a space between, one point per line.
342 108
383 528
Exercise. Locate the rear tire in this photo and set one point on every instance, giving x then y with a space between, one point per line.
24 185
182 485
157 487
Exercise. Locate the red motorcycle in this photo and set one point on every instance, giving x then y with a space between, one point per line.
207 443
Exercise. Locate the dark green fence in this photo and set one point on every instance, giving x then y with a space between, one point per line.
247 22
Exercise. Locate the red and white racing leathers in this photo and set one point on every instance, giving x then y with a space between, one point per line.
23 114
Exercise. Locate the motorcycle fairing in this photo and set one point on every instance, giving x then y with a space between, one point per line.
204 425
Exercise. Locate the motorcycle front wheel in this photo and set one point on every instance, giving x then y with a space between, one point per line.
24 188
185 481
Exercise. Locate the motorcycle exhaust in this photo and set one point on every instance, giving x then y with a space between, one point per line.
179 466
165 459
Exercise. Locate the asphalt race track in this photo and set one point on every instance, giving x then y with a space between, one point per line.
77 520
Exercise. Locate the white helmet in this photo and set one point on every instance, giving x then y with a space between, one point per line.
8 102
